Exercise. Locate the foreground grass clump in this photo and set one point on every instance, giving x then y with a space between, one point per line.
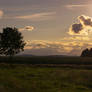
23 78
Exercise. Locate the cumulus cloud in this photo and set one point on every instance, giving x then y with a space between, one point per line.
77 28
27 28
84 27
85 20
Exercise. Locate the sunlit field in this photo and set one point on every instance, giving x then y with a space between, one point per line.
46 74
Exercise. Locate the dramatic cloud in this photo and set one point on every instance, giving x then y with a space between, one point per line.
77 28
27 28
85 20
84 27
37 16
42 47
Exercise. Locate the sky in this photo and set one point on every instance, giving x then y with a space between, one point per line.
50 27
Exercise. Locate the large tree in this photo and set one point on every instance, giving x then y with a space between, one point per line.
11 42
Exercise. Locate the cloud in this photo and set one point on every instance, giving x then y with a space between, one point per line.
1 14
77 27
38 44
43 47
85 20
84 27
72 6
37 16
77 38
27 28
39 47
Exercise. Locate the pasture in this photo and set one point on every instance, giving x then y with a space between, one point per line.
46 74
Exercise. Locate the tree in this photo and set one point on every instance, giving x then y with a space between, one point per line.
87 53
11 42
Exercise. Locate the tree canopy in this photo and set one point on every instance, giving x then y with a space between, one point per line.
86 53
11 41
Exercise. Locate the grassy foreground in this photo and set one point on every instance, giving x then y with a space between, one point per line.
24 78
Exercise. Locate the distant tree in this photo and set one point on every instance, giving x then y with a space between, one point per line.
86 53
90 52
11 42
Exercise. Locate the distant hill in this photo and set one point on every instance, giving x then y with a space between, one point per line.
25 55
30 55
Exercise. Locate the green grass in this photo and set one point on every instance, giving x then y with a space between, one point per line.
46 74
24 78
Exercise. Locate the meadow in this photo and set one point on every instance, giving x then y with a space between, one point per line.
45 74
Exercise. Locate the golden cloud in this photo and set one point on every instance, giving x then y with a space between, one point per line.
77 38
27 28
43 47
84 27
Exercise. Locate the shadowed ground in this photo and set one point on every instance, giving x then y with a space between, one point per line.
46 74
23 78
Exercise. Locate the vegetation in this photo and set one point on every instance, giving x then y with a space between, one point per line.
87 53
41 73
11 42
46 74
48 60
23 78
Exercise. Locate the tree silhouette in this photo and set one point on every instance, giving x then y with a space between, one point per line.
86 53
11 42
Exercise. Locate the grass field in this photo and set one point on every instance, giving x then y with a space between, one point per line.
23 78
71 74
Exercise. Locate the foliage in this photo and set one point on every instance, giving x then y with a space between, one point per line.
87 53
11 41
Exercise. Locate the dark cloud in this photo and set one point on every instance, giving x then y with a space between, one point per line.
87 21
83 27
77 28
